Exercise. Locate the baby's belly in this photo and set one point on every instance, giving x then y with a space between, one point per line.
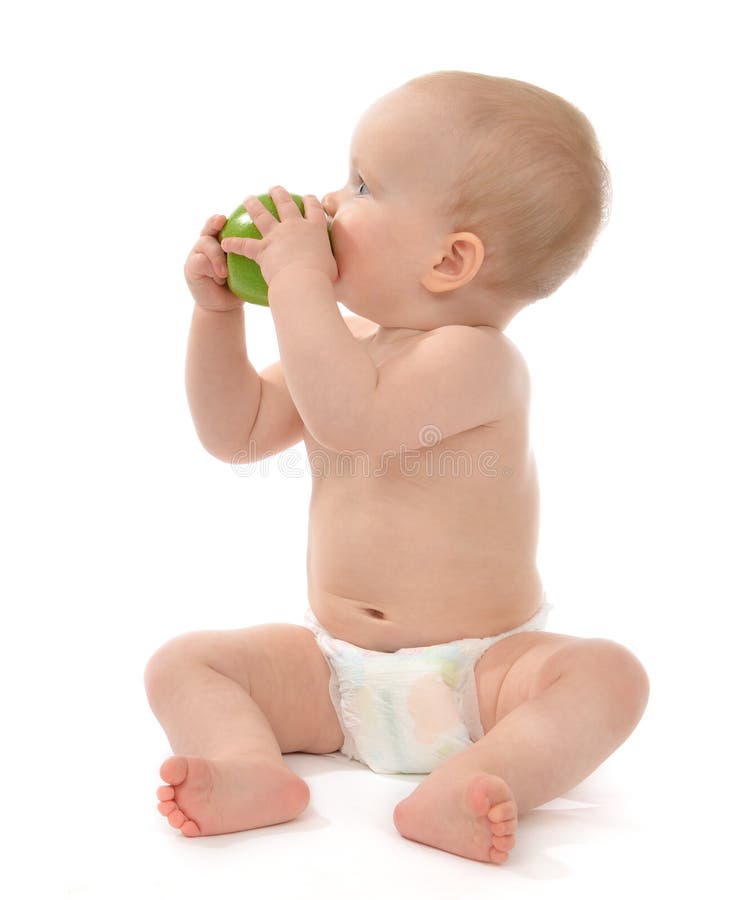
414 578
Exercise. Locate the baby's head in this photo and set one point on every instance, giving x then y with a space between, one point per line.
497 187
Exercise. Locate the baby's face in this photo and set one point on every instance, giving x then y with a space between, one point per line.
388 219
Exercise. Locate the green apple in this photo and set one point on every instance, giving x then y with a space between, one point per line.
244 276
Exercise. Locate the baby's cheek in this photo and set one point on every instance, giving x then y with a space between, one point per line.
339 231
354 230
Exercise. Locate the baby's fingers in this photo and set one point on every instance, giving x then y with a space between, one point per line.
249 247
200 266
207 250
313 209
213 225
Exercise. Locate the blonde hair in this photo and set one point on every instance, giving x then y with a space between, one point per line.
533 187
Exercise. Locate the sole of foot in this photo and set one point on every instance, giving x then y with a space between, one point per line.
219 796
471 814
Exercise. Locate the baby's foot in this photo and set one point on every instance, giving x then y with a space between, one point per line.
217 796
472 814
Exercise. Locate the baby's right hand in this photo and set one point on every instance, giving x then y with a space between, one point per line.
206 270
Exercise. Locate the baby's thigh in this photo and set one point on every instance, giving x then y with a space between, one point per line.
285 673
289 681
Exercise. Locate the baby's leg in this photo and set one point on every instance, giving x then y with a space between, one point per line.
231 703
552 709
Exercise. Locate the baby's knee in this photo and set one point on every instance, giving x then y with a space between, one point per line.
167 663
624 675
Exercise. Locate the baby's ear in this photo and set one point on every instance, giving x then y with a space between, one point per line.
460 261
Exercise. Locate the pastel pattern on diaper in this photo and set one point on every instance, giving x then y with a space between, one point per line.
410 710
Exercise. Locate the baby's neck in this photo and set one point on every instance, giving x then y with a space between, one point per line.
383 336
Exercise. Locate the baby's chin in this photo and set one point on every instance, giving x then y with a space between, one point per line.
371 307
352 304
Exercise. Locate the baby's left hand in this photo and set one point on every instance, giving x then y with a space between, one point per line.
296 241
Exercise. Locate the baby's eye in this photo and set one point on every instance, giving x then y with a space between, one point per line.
363 187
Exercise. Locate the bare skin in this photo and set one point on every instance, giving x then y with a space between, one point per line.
423 519
199 797
465 514
203 797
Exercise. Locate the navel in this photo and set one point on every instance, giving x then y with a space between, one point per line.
375 613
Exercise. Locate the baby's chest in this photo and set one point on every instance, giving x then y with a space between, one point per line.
431 488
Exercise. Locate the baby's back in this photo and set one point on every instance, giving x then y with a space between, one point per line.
430 545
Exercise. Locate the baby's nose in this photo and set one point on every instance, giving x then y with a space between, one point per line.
329 204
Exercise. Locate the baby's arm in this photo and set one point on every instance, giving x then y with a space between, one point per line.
328 373
450 380
240 415
454 379
223 387
224 390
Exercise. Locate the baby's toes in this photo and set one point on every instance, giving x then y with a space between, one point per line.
190 829
166 808
505 843
503 823
501 828
497 856
502 812
503 835
176 818
165 792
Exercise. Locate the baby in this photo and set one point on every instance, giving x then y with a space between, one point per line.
424 650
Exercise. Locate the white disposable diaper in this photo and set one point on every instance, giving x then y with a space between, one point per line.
408 711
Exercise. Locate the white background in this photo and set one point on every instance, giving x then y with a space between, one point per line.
125 127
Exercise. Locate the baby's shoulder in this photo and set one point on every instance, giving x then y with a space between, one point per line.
511 365
493 341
